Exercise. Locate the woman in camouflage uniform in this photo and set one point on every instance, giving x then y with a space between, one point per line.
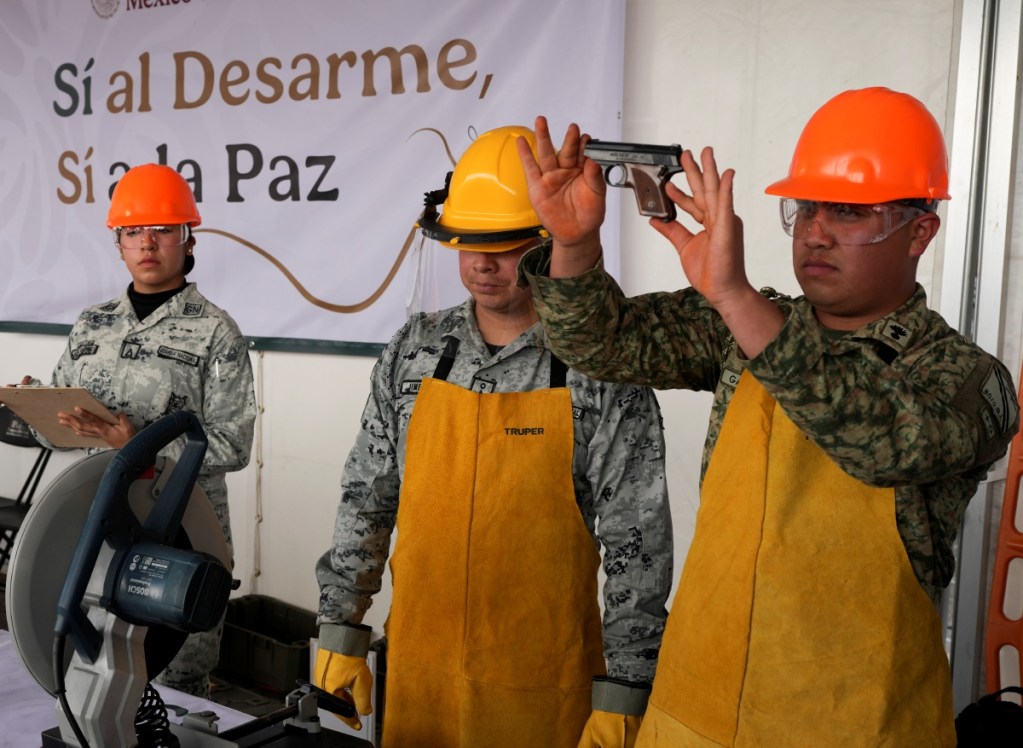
159 347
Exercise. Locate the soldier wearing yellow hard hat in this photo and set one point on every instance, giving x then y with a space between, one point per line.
504 472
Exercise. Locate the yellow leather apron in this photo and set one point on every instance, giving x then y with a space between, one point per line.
494 631
798 620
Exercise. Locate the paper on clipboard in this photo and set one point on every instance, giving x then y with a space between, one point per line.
38 406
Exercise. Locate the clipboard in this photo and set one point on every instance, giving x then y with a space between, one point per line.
38 406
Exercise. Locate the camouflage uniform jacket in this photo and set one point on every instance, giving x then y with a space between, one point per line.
187 355
903 402
618 471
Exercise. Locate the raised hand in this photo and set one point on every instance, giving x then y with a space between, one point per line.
568 193
712 258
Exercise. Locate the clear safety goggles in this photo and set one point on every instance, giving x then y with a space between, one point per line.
850 224
134 237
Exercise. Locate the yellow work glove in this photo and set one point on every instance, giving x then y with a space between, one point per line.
347 678
618 708
610 730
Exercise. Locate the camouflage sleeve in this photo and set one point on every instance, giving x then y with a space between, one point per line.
930 414
663 340
62 372
228 403
349 573
627 473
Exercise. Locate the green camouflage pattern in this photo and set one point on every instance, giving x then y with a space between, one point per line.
187 355
903 402
618 471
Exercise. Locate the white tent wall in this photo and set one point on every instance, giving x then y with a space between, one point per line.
740 75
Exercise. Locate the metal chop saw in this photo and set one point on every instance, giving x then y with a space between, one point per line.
122 557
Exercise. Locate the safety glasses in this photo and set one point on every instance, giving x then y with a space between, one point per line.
849 224
134 237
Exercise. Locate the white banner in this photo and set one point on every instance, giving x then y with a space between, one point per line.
309 131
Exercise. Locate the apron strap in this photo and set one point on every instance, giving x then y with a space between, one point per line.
559 372
447 359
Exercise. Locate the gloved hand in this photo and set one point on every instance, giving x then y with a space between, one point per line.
347 678
618 707
610 730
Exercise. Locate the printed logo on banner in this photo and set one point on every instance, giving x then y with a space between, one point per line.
105 8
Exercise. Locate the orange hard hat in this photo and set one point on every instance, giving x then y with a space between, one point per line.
152 195
871 145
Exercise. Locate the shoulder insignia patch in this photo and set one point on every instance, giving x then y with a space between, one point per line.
997 393
85 348
895 334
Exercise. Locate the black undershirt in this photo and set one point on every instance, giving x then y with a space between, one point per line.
145 304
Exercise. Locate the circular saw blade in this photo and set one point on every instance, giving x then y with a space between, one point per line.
46 542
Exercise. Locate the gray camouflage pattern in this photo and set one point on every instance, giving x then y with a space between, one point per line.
618 470
903 402
187 355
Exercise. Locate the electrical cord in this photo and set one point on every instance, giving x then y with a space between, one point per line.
60 692
152 725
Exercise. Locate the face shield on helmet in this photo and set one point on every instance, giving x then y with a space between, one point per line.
484 204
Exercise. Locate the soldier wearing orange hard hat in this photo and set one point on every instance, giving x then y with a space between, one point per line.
161 346
850 427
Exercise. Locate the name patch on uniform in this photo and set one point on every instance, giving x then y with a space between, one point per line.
527 431
730 377
192 310
997 394
410 387
183 356
85 348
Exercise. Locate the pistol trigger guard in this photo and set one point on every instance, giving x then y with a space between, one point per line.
616 169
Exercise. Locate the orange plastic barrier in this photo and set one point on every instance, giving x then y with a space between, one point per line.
1004 639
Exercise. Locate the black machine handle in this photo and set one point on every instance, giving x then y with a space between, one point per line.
111 519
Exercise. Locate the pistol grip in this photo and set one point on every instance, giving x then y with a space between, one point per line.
651 197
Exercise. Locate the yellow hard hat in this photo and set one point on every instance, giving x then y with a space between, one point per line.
485 200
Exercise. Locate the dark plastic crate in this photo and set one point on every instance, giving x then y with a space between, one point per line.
266 641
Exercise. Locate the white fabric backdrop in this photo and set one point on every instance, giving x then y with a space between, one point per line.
309 131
